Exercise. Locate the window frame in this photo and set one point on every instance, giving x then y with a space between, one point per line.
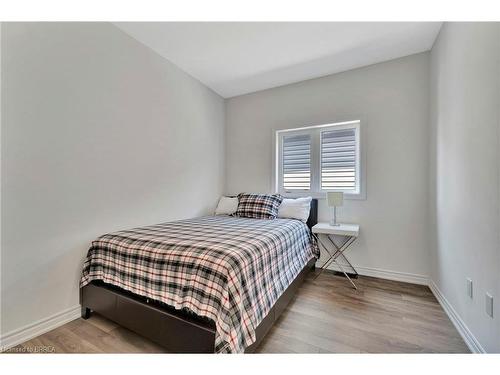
315 132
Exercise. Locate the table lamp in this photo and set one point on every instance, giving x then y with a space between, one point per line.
335 199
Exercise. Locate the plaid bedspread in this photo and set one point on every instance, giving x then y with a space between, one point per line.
229 269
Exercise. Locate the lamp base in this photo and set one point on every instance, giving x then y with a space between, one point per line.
333 220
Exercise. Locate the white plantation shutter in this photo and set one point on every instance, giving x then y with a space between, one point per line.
296 163
315 159
338 159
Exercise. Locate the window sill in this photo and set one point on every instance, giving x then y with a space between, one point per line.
317 195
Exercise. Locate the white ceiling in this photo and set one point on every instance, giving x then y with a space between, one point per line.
235 58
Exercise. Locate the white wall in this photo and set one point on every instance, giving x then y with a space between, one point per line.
391 99
465 170
98 134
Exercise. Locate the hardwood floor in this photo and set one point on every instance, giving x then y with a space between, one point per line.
326 316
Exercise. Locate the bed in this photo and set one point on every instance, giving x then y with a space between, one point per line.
203 285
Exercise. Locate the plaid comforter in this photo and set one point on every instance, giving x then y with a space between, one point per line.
229 269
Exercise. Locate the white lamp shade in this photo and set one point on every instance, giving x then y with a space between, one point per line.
335 198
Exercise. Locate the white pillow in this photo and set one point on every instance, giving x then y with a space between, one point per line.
295 208
227 206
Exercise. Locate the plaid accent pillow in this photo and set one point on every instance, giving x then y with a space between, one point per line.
258 206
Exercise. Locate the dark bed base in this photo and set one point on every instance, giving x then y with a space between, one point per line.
177 331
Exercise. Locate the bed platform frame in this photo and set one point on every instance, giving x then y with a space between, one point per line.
177 331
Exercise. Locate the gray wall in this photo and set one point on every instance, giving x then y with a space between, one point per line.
391 99
98 134
465 170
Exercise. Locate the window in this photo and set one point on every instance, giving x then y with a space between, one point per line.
338 159
297 162
318 159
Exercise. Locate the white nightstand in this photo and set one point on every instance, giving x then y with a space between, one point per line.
349 231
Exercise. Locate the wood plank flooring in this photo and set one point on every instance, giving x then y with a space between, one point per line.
326 316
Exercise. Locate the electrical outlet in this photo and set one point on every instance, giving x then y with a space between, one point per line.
489 304
469 287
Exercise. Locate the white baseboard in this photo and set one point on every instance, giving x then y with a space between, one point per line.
468 337
38 328
386 274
